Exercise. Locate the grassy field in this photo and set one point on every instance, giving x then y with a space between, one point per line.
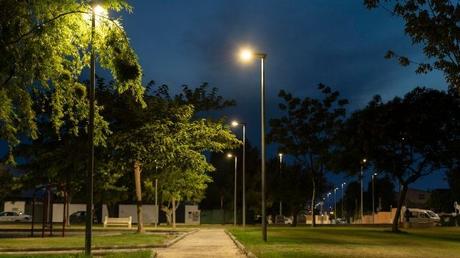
138 254
126 239
351 242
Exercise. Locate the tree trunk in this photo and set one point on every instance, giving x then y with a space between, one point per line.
402 198
222 208
67 215
313 197
173 212
168 214
294 218
137 181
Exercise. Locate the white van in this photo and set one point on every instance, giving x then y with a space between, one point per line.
421 216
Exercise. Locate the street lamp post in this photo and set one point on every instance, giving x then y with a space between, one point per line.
95 10
373 198
280 155
234 196
363 162
342 198
247 55
335 203
243 125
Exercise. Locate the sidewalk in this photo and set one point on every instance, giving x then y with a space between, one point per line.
204 243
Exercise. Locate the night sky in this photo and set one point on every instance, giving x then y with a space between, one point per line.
339 43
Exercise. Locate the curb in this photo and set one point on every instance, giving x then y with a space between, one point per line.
177 239
240 245
79 251
105 248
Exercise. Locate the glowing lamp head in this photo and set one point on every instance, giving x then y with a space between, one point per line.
99 10
364 161
246 55
235 123
229 155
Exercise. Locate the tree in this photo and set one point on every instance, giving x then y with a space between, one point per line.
175 145
351 200
306 131
293 187
44 47
407 138
383 193
433 24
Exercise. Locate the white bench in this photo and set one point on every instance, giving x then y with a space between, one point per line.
118 221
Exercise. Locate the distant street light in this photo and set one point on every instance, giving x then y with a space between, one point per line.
247 55
229 155
243 125
342 198
363 162
335 203
373 198
280 155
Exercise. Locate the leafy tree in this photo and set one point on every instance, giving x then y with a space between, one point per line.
433 24
307 130
351 200
453 178
407 138
383 192
44 47
176 146
441 200
293 187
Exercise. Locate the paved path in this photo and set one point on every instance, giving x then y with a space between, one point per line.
204 243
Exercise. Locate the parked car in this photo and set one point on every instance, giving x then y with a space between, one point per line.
80 217
280 219
14 216
421 216
340 221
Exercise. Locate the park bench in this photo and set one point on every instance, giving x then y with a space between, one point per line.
117 221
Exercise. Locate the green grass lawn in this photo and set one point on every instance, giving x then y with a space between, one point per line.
126 239
351 242
137 254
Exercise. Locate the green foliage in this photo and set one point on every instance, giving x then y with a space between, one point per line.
434 25
45 47
307 130
406 138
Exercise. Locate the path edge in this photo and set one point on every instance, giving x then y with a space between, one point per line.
240 245
180 237
101 249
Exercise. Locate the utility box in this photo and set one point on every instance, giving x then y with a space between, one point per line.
192 215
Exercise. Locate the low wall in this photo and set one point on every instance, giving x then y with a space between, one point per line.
149 212
319 219
15 206
381 217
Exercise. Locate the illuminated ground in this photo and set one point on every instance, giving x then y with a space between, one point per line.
351 242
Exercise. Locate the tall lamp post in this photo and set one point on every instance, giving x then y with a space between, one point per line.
335 203
243 125
373 198
363 162
234 196
95 10
247 55
343 184
280 155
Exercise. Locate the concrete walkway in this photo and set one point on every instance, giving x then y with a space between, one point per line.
204 243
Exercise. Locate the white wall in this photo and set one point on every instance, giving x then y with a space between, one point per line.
74 207
192 215
149 212
15 206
